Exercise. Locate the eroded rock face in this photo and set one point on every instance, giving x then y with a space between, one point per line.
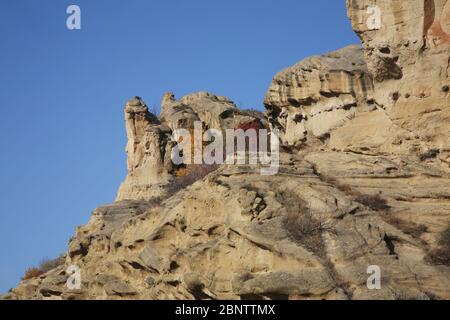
318 94
361 190
150 141
215 112
409 57
148 153
230 236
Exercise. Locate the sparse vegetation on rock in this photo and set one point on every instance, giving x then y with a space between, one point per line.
45 265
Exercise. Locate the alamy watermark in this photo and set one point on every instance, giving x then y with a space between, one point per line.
74 280
373 21
238 146
73 21
374 280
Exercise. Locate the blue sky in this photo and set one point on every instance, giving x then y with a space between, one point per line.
62 93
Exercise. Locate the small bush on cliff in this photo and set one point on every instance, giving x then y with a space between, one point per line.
302 226
48 264
306 230
374 202
189 174
44 266
441 255
31 273
413 229
445 238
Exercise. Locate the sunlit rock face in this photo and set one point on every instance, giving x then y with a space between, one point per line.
150 140
363 180
318 94
148 153
409 58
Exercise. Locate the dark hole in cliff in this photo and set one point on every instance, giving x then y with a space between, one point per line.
445 88
385 50
430 154
173 283
136 265
325 137
294 102
198 293
173 266
299 118
395 96
349 106
389 244
82 251
117 245
226 114
46 292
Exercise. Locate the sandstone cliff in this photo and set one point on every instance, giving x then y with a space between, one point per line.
364 180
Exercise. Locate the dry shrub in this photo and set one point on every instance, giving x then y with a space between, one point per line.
49 264
413 229
306 230
374 202
189 174
301 225
44 266
31 273
444 239
439 256
347 189
245 277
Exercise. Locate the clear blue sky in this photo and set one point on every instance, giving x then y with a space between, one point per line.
62 93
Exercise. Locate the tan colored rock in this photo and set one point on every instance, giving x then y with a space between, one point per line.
409 60
227 237
363 194
148 153
150 141
215 112
318 94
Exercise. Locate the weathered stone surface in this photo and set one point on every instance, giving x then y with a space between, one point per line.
408 58
150 142
215 240
358 182
318 94
148 152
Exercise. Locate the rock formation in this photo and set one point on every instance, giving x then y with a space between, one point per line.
319 94
364 180
150 143
409 59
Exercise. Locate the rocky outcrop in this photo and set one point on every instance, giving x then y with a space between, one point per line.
390 96
364 180
148 153
213 111
232 236
319 94
150 139
408 57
